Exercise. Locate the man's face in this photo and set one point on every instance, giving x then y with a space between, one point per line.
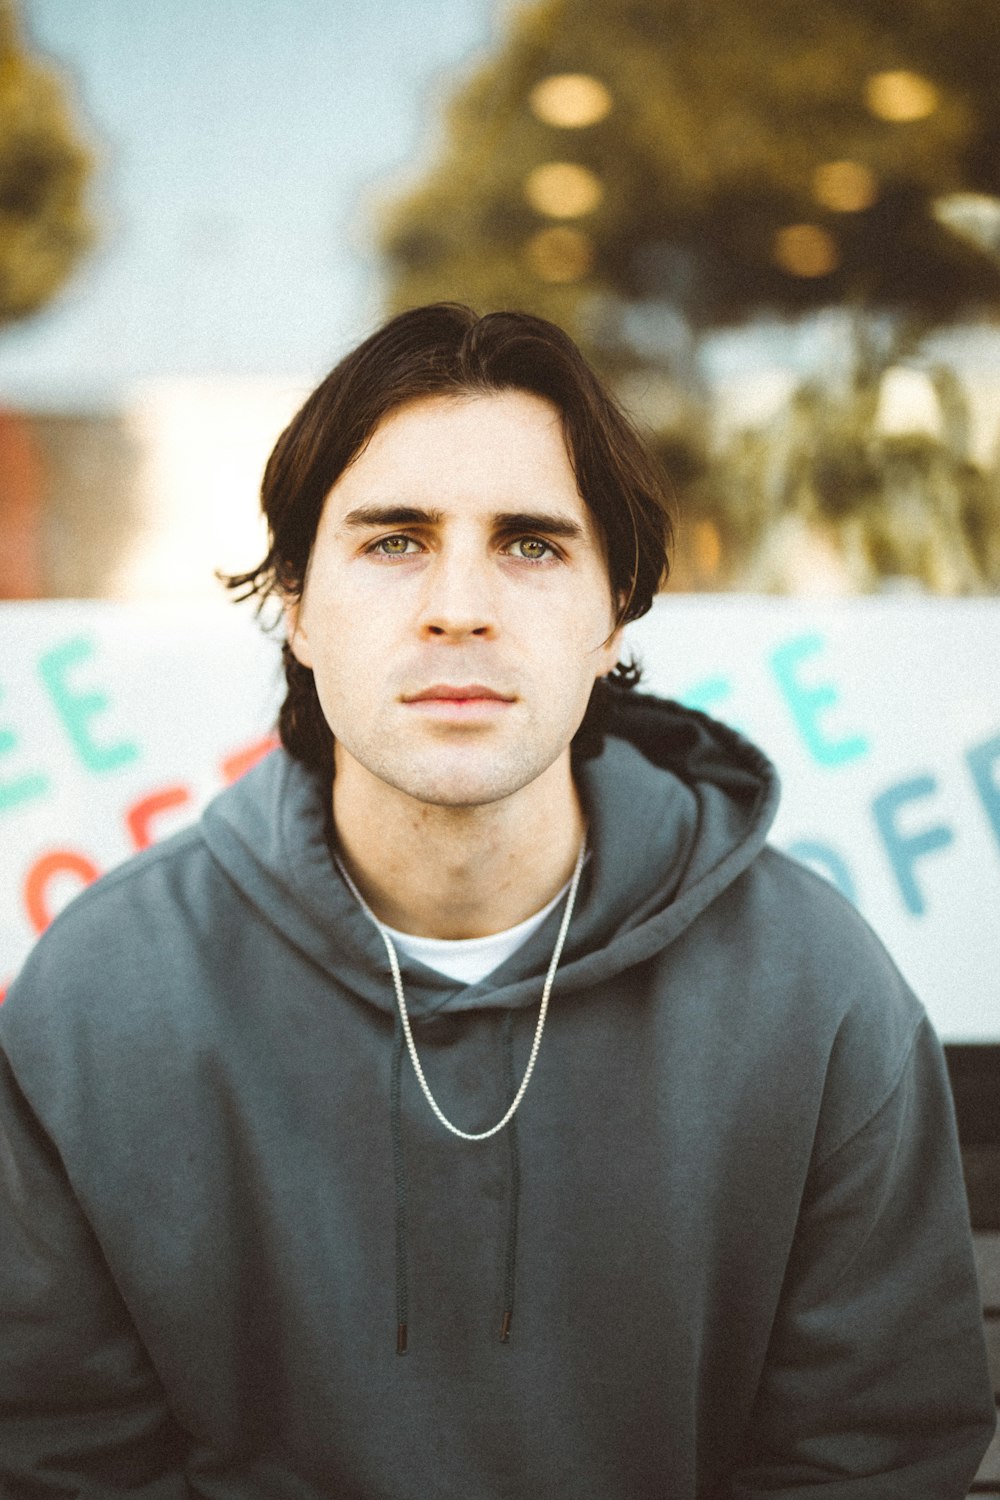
457 608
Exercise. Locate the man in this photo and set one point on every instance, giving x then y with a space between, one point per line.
694 1228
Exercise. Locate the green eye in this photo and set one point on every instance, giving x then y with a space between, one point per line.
393 546
532 548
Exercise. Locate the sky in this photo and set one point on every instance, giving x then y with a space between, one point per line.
241 146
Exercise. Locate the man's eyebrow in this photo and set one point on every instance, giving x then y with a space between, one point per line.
544 522
391 515
548 523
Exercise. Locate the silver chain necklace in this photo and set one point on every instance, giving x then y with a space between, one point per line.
397 980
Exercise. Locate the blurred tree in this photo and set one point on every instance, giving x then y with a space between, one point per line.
769 156
827 498
44 226
646 171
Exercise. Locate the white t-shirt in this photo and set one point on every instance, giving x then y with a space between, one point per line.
471 959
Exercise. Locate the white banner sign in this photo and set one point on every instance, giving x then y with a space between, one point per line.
118 722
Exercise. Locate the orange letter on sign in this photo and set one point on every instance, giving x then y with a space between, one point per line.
141 814
235 765
36 886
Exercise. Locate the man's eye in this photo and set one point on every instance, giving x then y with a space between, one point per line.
531 548
392 546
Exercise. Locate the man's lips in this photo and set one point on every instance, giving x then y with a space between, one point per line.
456 703
473 692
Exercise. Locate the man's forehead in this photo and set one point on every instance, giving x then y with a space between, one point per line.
493 425
492 455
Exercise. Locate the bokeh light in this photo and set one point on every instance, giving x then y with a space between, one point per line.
560 254
847 187
901 96
563 190
570 101
806 250
706 548
974 217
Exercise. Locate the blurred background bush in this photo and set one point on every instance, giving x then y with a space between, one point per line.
775 228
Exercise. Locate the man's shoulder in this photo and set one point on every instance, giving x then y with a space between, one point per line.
833 980
141 951
107 941
175 884
803 917
111 903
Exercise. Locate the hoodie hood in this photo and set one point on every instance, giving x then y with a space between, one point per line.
678 805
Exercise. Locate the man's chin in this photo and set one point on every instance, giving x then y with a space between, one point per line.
461 785
456 776
459 794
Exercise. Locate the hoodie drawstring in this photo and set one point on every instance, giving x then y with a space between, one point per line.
399 1174
510 1258
399 1177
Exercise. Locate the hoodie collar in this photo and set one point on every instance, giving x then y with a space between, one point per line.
678 805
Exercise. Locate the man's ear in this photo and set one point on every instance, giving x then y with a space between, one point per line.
611 649
295 632
610 652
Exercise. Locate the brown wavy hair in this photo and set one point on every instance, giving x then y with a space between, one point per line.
447 349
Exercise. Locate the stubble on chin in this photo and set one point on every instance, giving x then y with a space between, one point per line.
463 769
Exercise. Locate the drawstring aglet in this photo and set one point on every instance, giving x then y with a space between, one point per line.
505 1326
401 1338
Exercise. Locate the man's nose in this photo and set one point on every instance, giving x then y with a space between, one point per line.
459 597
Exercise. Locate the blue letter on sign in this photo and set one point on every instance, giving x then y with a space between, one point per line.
905 849
76 709
828 862
982 761
807 703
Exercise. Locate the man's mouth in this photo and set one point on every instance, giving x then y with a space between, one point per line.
467 700
473 691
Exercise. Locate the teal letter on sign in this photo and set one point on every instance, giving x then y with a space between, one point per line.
905 849
984 761
828 862
22 788
705 694
808 703
77 709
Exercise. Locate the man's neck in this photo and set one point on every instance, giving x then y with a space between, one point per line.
458 872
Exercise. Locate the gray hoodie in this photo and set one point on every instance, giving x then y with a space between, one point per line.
726 1227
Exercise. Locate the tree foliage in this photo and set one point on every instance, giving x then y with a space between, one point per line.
824 498
44 167
724 116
